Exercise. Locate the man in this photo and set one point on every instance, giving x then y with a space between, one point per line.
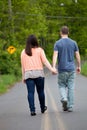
64 51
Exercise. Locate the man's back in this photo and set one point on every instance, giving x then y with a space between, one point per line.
66 48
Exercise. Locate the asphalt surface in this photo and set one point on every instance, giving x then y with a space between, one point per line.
15 115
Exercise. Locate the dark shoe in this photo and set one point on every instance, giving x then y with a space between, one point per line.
45 108
33 113
64 105
70 109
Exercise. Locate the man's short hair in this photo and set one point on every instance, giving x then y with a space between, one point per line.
64 30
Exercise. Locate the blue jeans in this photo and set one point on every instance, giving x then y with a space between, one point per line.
39 83
66 86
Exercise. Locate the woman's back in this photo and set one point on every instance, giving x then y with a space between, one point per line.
34 62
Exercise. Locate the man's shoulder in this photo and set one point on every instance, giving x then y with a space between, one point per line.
72 40
58 41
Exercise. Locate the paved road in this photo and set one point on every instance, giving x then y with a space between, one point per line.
14 112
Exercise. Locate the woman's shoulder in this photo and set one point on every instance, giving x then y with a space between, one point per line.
39 48
23 52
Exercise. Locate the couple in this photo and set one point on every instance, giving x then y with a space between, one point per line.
32 60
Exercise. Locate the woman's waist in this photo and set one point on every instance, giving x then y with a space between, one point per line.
33 74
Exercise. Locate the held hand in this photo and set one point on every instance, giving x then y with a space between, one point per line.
54 71
78 70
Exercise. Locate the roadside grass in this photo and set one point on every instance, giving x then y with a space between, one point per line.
6 82
84 69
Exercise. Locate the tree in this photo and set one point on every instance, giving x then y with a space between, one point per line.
77 23
43 18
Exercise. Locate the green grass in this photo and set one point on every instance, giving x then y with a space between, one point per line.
6 82
84 69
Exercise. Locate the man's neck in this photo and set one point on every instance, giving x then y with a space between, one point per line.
64 36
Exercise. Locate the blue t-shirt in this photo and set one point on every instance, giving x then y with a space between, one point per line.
66 48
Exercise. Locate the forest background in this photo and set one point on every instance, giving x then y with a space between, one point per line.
44 18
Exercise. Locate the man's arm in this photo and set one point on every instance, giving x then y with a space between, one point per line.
78 61
55 55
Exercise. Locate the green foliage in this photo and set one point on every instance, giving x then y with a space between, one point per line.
6 81
77 23
49 51
10 63
42 18
84 68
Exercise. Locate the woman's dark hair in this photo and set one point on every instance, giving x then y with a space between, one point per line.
31 43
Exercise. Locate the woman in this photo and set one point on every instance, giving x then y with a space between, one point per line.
32 60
